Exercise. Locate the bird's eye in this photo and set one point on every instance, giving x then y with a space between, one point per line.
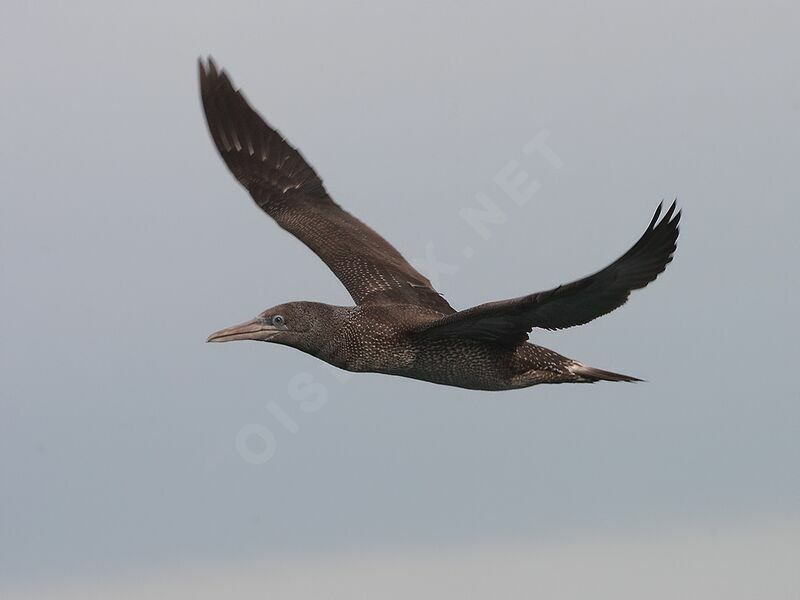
277 320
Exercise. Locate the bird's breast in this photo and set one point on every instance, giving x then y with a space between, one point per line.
371 345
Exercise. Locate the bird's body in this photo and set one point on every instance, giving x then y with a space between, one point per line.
380 339
400 325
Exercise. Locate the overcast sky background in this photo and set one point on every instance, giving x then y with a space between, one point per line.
125 242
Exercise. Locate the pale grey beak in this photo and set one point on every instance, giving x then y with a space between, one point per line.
252 330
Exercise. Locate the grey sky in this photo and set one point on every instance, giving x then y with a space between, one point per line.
124 242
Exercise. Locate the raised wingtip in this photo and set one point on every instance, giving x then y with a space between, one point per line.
207 67
677 217
671 217
204 68
657 214
668 214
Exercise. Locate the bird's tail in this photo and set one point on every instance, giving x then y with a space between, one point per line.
590 374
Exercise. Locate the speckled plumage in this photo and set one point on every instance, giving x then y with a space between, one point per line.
400 325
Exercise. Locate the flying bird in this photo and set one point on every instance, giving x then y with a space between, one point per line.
400 325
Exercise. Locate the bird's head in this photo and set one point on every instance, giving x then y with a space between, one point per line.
303 325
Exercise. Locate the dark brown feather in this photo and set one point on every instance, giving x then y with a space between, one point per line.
576 303
285 186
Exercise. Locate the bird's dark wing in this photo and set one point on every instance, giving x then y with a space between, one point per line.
576 303
285 186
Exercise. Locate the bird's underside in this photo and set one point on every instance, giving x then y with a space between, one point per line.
400 324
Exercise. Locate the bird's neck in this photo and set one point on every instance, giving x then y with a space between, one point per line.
326 337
